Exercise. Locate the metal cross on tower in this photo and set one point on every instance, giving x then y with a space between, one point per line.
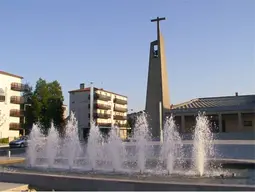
158 19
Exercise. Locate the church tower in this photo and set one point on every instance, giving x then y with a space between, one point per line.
157 83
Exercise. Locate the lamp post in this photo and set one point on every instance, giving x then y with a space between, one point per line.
160 122
91 102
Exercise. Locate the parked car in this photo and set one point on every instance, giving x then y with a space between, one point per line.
20 142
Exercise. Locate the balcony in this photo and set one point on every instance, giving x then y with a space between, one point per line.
2 98
15 126
120 117
18 87
120 101
16 113
122 125
104 125
120 109
17 100
102 106
102 115
102 97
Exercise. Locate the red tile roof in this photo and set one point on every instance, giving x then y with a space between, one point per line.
9 74
88 89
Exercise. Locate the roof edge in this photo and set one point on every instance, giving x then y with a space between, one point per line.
95 88
10 74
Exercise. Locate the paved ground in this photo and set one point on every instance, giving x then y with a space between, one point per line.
4 145
12 187
12 160
14 151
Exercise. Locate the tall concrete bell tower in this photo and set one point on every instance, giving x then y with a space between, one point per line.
157 84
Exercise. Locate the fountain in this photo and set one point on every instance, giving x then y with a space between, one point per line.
140 156
94 145
141 138
51 146
116 149
34 143
171 150
203 147
141 159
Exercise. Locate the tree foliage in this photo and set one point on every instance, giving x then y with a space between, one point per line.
44 105
130 124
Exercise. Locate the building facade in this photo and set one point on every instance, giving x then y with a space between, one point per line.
105 108
11 88
65 111
228 114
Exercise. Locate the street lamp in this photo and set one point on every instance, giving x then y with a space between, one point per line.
91 102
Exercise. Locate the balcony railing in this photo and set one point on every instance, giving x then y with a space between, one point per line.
17 100
15 126
101 106
120 109
19 87
120 117
102 97
122 125
16 113
104 124
2 98
120 101
102 115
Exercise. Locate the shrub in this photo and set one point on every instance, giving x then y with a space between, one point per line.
4 140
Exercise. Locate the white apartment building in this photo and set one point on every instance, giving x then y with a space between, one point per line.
65 111
11 88
105 108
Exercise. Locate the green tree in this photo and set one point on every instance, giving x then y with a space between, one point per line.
55 104
46 106
130 124
29 117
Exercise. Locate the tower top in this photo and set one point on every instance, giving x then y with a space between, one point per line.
158 19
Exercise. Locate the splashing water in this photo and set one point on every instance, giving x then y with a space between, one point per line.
94 145
116 148
52 146
73 147
203 146
33 144
112 154
141 137
171 149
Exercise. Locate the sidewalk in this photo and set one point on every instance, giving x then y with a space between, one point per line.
13 187
11 160
4 145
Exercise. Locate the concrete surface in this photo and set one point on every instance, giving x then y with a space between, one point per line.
82 183
12 160
14 151
4 145
12 187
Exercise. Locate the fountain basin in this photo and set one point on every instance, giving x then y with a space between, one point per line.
115 181
151 163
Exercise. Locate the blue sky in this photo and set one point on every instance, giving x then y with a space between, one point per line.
210 44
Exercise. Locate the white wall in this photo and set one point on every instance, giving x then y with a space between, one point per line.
78 103
5 84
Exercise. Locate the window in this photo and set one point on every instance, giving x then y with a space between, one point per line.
247 123
155 51
2 98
